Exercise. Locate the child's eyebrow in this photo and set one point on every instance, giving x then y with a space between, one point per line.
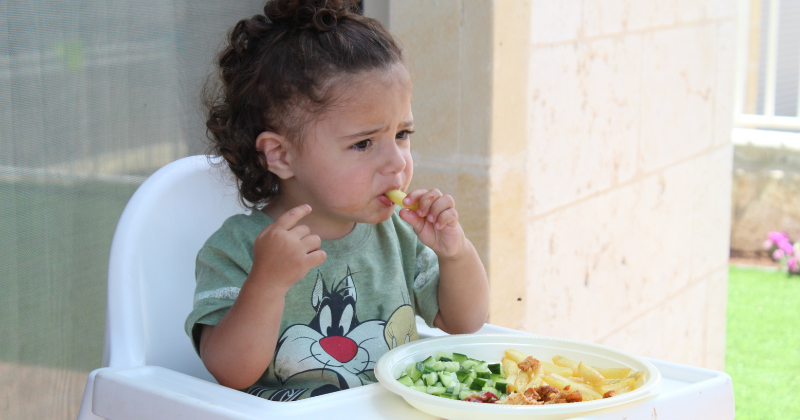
405 125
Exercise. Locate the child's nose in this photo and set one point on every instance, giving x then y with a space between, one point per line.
395 160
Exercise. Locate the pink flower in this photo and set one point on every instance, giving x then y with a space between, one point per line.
786 246
778 254
794 267
768 244
778 236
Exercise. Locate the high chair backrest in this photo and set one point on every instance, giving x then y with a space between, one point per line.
151 267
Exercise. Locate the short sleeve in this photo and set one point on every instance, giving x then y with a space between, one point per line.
219 280
426 284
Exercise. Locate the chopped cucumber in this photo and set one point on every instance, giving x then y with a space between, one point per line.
415 373
501 386
466 364
454 375
436 390
447 380
465 393
451 366
406 380
458 357
477 384
431 378
490 389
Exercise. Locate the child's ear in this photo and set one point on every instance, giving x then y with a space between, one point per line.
275 149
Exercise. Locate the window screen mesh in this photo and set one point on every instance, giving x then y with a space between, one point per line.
94 97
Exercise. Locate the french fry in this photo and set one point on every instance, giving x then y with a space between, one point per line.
638 376
535 382
563 361
560 382
510 367
613 373
516 356
522 381
590 375
556 380
564 373
397 197
617 386
561 370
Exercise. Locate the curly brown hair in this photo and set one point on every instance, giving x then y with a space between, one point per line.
277 63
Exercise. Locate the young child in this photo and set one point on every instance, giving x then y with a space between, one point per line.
303 295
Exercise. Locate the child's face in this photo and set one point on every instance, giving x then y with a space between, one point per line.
359 149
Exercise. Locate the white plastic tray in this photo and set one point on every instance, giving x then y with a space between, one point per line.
151 392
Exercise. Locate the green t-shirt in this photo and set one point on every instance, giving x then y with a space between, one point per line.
340 318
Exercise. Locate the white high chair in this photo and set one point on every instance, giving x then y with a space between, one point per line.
150 368
152 372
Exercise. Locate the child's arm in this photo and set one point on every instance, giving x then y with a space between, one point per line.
463 286
240 347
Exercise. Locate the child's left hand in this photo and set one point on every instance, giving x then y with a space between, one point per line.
435 222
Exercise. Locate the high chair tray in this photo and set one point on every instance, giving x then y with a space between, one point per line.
152 392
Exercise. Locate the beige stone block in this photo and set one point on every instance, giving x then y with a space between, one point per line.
584 119
716 319
511 60
642 336
726 75
473 208
429 178
430 34
684 327
507 256
475 113
554 21
679 83
605 17
711 221
649 14
673 330
630 247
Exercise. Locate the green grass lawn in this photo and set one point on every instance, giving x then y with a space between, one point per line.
763 343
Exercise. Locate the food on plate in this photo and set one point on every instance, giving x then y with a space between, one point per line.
518 379
397 197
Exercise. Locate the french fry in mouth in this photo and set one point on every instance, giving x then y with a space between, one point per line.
397 197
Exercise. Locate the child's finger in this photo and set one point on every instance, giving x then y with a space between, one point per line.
447 217
291 217
441 204
426 201
413 197
316 258
301 231
311 243
411 217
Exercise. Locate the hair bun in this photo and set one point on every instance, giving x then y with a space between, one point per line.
322 15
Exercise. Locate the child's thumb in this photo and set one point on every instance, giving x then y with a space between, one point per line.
412 219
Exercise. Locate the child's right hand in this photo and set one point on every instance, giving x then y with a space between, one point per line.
285 252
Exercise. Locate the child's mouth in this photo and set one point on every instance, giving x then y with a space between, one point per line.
385 200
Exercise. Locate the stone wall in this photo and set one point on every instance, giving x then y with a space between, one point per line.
588 147
766 188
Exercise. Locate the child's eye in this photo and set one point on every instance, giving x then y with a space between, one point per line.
404 135
362 145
